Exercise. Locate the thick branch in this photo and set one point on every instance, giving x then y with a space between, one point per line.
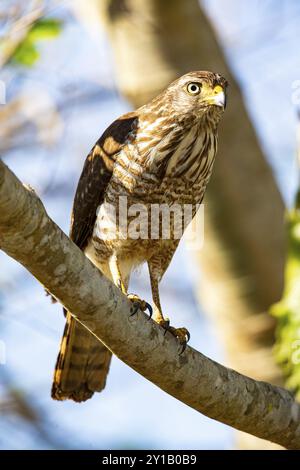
28 235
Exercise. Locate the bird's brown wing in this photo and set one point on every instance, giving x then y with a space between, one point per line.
83 362
95 177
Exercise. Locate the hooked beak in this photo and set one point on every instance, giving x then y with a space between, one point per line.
218 98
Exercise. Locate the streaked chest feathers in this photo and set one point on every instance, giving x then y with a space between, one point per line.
148 172
176 168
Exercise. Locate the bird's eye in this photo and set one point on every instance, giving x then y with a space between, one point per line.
193 88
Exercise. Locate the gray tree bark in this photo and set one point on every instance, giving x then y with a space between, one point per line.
28 235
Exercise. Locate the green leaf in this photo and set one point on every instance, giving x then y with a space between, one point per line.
287 310
27 53
45 29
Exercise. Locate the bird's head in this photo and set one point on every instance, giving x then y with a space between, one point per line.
198 93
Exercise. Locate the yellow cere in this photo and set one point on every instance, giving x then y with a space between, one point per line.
218 89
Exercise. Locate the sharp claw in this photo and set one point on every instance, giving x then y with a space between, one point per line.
150 310
182 334
139 304
184 344
135 309
165 325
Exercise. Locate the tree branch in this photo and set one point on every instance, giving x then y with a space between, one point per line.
28 235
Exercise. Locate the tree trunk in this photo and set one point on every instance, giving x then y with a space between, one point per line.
242 261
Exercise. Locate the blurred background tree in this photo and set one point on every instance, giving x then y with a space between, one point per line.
61 95
22 28
287 310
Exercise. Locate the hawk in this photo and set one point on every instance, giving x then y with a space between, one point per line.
160 154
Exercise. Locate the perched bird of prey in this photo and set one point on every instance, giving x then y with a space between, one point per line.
160 154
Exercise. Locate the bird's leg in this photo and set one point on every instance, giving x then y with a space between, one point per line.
157 315
182 334
138 303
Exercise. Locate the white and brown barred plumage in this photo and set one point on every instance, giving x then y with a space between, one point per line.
162 153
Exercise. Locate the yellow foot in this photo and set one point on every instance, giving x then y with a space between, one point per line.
182 334
164 323
139 304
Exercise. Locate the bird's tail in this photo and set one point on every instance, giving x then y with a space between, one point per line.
82 364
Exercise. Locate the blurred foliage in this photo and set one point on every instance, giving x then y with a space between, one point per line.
287 310
27 52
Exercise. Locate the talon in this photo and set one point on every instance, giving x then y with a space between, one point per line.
136 308
150 310
182 334
139 304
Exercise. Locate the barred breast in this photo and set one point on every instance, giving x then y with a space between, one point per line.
177 173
